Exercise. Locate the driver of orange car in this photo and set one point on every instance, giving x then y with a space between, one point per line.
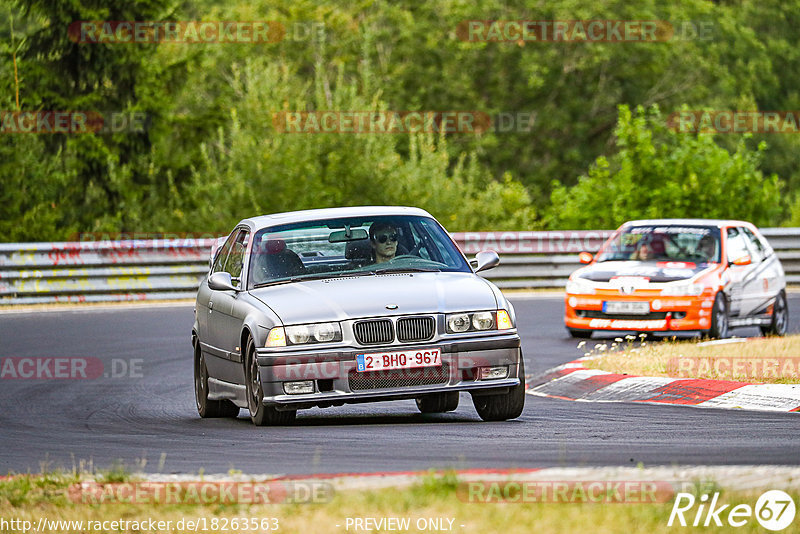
650 249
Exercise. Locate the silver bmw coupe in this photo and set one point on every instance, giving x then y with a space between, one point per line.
349 305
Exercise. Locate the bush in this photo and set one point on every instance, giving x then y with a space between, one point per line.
658 173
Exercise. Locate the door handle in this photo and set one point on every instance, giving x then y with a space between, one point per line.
210 306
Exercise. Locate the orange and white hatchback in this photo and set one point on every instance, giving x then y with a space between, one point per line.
679 275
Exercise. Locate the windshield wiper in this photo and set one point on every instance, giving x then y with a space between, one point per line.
406 270
272 283
310 277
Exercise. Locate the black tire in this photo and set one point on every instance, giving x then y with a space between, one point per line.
506 405
780 317
579 334
719 318
205 407
438 402
260 414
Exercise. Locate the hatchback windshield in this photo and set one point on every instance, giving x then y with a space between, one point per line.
696 244
351 247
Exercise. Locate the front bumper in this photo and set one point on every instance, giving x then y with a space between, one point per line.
667 314
336 380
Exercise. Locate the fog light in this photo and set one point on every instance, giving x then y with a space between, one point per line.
298 388
493 373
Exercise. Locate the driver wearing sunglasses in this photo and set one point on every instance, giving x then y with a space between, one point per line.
383 238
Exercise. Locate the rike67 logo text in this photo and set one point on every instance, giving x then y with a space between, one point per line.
774 510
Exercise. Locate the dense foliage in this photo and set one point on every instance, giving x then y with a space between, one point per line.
598 153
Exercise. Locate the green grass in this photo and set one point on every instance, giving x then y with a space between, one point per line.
433 496
773 360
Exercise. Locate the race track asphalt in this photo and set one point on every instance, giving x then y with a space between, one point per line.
149 422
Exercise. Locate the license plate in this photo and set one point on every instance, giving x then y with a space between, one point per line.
406 359
634 308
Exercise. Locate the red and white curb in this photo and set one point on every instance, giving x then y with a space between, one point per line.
573 381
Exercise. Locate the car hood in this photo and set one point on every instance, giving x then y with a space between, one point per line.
338 299
655 271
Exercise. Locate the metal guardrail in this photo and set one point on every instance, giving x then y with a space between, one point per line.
96 271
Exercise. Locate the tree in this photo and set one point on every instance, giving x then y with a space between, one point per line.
658 172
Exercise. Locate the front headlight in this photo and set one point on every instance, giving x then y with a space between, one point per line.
579 286
313 333
683 290
478 321
483 321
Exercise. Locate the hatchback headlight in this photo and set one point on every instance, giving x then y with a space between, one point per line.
683 290
580 286
478 321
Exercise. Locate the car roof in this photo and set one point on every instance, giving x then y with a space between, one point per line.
720 223
289 217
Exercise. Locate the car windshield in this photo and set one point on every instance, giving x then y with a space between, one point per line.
351 247
695 244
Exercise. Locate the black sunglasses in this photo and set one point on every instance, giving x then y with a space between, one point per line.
383 238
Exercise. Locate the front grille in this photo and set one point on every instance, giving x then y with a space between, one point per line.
398 378
597 314
415 328
375 332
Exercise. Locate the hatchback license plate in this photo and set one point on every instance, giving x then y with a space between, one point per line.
633 308
406 359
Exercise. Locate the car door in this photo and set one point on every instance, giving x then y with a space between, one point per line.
742 280
209 331
766 274
227 323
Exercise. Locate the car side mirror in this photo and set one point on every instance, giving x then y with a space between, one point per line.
221 281
485 260
744 260
585 257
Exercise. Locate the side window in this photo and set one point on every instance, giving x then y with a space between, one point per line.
757 251
235 259
737 247
222 255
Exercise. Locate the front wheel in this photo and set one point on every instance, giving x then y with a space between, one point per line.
205 407
506 405
719 318
260 414
780 317
438 402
